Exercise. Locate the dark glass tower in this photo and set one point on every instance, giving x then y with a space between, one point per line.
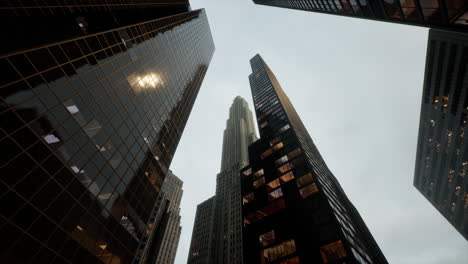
94 98
202 235
294 209
442 156
448 14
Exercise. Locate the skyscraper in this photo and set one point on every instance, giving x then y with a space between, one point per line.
94 99
442 155
294 209
448 14
168 232
202 235
226 245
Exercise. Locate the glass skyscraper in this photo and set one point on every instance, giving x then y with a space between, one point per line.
294 209
442 156
94 99
448 14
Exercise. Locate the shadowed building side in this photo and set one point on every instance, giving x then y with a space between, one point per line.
294 210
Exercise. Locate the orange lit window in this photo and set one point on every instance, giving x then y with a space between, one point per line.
273 207
287 177
308 190
304 180
259 182
275 194
284 249
274 141
267 238
278 146
258 174
248 198
293 260
266 154
284 168
273 184
333 252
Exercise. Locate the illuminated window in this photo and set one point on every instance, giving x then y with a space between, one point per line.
275 194
248 198
247 172
258 174
278 146
284 128
308 190
51 139
281 160
287 177
274 141
267 238
304 180
293 260
259 182
264 124
286 167
266 154
270 209
333 252
273 184
284 249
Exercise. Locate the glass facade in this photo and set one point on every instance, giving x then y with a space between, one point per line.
294 209
90 125
448 14
442 155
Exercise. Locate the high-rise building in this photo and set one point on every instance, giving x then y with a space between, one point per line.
448 14
294 209
94 98
442 155
226 245
202 235
167 234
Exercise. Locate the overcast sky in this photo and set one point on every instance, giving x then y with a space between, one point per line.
357 86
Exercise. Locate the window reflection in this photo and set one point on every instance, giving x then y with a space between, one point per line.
284 249
333 252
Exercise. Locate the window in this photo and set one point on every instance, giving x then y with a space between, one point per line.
275 194
274 141
293 260
284 128
267 238
247 172
258 174
273 184
264 124
287 177
333 252
259 182
278 146
304 180
281 160
278 251
294 153
286 167
308 190
51 138
248 198
266 154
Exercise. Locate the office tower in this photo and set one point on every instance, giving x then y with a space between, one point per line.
168 232
442 155
294 209
94 99
202 235
446 14
226 246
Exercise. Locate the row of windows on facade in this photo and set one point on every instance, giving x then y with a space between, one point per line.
431 9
